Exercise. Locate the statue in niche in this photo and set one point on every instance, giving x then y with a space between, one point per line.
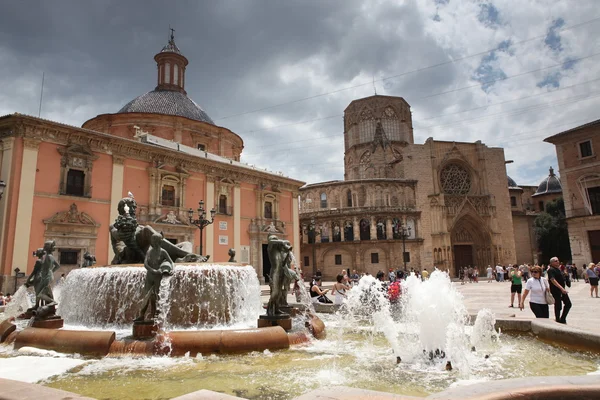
41 277
131 241
231 254
280 257
88 260
349 231
158 264
337 233
381 235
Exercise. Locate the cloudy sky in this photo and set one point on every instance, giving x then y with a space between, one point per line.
280 73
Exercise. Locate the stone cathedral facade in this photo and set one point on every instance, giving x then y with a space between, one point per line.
439 203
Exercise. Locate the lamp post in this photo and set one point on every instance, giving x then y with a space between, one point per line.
405 233
312 235
2 187
201 222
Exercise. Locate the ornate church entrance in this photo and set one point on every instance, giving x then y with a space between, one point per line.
471 244
463 256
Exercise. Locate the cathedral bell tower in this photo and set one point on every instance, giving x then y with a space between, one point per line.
171 67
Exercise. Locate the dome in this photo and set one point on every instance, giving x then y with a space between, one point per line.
512 183
167 102
549 185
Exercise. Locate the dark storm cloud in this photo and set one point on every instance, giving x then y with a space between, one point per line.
268 55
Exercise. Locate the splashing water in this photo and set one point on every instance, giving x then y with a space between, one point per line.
197 296
368 302
484 332
436 310
20 302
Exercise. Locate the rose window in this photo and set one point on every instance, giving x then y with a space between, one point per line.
455 179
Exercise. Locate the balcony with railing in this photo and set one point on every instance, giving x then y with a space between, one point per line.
225 210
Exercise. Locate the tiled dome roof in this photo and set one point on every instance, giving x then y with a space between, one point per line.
167 102
512 183
549 185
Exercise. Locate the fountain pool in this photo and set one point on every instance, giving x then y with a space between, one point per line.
357 358
364 339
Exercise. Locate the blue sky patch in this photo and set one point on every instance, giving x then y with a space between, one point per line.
553 37
489 15
486 73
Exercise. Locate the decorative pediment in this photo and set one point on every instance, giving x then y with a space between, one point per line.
73 216
455 154
170 218
77 150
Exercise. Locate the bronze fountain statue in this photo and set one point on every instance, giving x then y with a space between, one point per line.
130 241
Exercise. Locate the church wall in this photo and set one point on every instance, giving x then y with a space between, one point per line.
11 210
524 239
136 181
248 200
496 178
101 178
47 178
418 166
218 140
221 249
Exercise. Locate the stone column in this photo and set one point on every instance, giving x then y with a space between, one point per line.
373 228
6 174
296 227
209 231
237 220
356 228
342 232
116 193
389 231
21 249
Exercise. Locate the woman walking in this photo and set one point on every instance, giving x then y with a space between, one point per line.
537 286
515 287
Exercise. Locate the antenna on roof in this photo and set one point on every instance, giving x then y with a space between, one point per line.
374 88
41 96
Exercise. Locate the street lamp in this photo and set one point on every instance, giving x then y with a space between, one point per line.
201 222
2 187
312 235
404 233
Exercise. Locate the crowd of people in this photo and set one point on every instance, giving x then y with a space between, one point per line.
345 282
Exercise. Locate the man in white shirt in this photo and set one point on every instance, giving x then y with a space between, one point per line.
499 273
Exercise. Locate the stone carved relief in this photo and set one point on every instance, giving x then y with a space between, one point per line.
73 216
462 235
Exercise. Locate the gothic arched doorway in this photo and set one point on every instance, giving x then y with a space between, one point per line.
471 244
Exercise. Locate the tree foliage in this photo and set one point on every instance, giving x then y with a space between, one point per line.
551 232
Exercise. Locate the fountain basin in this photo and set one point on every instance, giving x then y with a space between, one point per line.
198 295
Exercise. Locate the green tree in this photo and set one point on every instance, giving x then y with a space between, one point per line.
551 232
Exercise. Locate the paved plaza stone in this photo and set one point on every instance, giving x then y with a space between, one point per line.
584 314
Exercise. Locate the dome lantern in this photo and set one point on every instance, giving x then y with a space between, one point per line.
549 185
171 67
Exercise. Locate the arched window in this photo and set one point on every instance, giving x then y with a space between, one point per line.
365 229
167 73
349 198
268 210
175 74
323 200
